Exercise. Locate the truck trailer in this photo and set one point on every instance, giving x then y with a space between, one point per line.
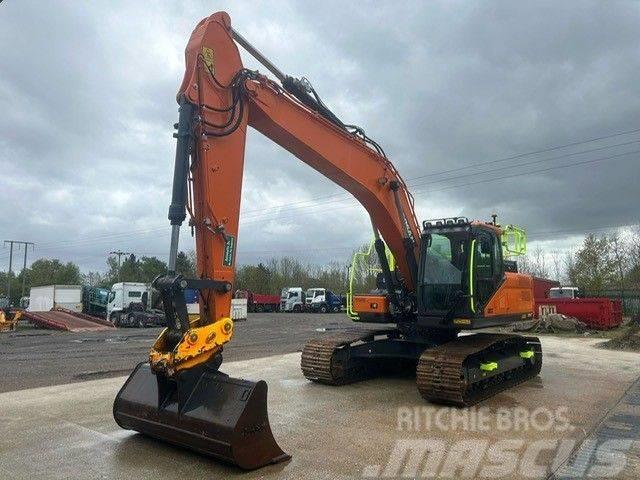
47 297
259 302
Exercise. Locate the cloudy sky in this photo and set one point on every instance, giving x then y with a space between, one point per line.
460 94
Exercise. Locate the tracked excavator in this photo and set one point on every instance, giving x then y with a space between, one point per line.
449 275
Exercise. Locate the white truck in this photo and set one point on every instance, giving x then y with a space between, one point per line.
321 300
129 305
564 292
47 297
292 299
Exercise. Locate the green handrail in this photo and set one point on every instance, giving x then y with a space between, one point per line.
514 241
353 315
471 258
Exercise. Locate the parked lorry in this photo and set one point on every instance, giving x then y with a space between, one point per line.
129 306
48 297
94 301
321 300
292 299
595 312
564 292
259 302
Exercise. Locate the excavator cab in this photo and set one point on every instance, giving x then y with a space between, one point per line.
463 282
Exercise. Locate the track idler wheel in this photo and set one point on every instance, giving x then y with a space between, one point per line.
203 410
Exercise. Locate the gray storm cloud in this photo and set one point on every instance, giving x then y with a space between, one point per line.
87 93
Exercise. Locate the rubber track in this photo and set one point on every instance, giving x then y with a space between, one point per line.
440 371
320 364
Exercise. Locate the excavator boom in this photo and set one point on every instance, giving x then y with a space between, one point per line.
218 100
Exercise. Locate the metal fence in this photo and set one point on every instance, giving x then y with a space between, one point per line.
630 299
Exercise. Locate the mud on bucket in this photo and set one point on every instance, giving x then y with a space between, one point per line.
202 410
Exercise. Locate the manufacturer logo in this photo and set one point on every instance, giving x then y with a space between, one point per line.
207 56
229 248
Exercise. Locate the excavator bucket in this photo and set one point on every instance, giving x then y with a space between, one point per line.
202 410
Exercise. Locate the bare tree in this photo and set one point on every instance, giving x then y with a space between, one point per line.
619 255
556 260
534 263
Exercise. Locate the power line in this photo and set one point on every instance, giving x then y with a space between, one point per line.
120 253
412 185
277 216
263 216
582 231
535 152
525 164
585 162
424 191
474 165
101 238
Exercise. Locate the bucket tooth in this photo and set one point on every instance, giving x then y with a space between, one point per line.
202 410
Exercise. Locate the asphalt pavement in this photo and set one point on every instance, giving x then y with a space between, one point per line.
36 358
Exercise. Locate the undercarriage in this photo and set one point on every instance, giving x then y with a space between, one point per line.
458 371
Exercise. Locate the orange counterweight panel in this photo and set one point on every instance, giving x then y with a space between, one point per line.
372 308
513 297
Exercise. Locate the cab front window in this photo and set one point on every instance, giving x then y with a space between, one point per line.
444 258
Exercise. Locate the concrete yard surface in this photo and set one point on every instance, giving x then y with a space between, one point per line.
378 428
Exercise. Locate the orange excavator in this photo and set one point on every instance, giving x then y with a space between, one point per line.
449 274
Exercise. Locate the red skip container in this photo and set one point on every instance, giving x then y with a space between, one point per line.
599 313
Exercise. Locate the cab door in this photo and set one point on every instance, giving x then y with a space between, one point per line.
488 270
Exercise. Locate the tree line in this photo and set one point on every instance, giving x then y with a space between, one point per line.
269 277
52 271
603 263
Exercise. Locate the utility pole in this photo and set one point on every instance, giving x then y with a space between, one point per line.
119 253
24 266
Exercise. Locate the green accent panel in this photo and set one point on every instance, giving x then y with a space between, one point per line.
471 258
526 354
229 248
489 366
514 241
363 257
